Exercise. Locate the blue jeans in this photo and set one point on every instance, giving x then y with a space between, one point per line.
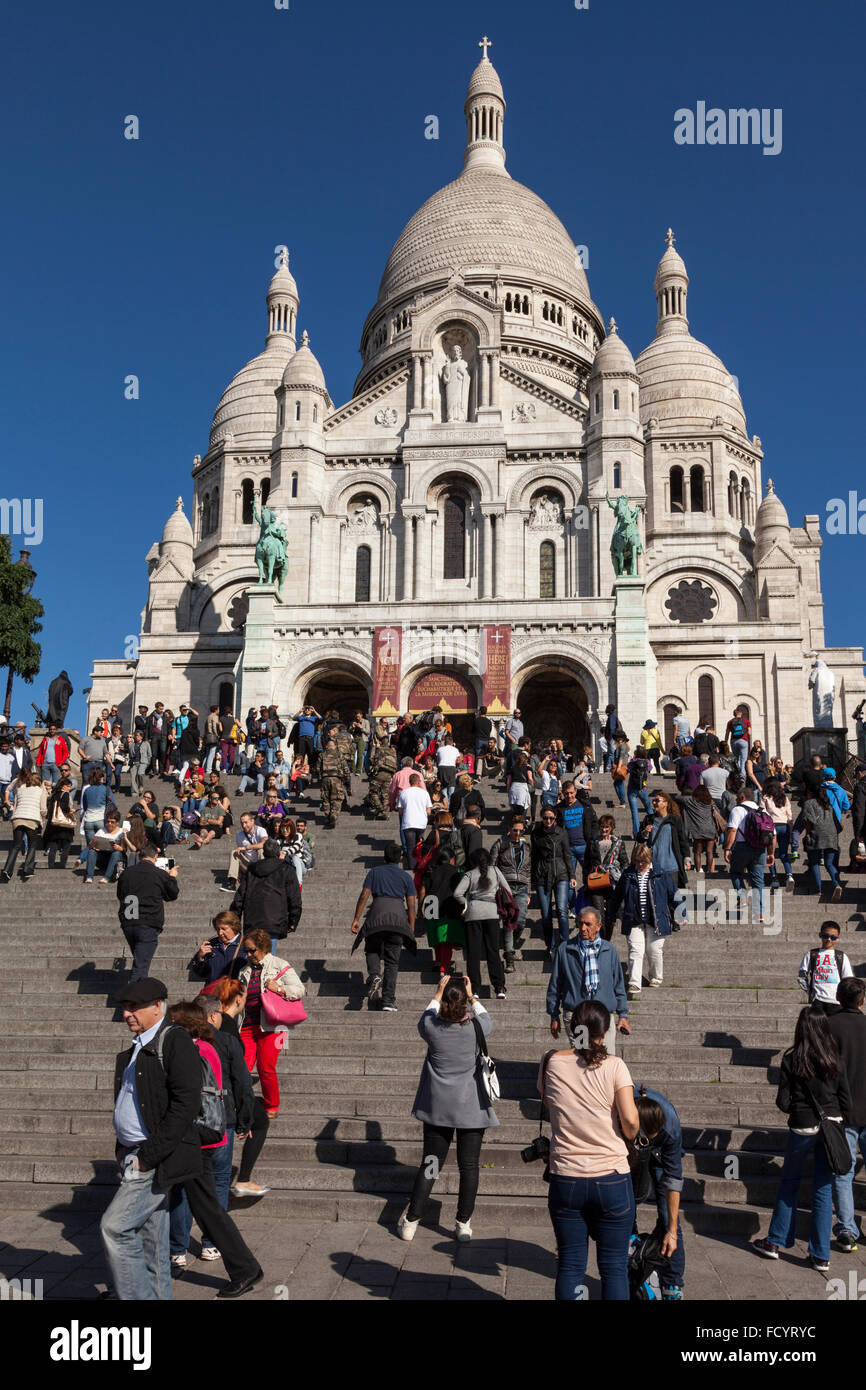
578 854
674 1274
843 1188
211 757
602 1208
114 859
747 869
619 788
546 898
181 1215
783 1226
50 772
608 758
740 750
634 798
783 845
134 1232
831 864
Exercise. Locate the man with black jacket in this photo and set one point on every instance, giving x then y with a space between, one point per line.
155 1107
849 1029
142 892
157 737
858 803
268 895
552 873
407 739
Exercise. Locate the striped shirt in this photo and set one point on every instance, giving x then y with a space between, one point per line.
643 891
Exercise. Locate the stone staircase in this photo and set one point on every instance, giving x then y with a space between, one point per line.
345 1146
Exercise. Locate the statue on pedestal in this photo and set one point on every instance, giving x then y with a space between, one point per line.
625 543
59 692
456 378
822 684
272 559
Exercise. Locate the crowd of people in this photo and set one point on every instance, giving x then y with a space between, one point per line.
463 875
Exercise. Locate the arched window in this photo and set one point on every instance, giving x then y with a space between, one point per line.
315 413
616 400
294 484
706 702
204 529
668 715
362 574
297 410
678 502
696 488
732 494
597 400
226 695
617 475
247 487
547 570
266 490
455 538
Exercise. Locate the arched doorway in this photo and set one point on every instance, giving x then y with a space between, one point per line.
553 704
337 689
456 695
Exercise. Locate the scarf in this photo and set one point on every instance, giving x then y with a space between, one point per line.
589 956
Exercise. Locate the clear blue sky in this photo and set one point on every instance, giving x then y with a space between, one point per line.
306 126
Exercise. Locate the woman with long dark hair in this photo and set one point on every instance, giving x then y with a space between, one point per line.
776 803
590 1099
59 824
667 838
477 890
813 1079
821 841
696 809
450 1097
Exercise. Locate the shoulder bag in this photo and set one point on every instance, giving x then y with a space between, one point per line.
832 1137
288 1012
486 1066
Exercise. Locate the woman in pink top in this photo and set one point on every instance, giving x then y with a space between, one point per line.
590 1101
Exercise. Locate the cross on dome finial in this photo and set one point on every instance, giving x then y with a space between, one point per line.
770 487
485 43
284 258
611 327
305 339
669 237
179 507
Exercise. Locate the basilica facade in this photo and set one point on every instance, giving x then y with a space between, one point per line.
448 529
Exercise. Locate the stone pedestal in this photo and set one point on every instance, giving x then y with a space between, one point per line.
255 674
832 744
635 663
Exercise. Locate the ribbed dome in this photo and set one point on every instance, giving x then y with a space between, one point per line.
485 82
771 522
613 355
484 220
248 407
177 530
303 368
283 283
682 380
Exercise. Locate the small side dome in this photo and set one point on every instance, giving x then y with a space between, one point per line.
772 526
613 355
177 530
303 368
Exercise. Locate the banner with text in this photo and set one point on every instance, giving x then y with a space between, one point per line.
387 662
496 685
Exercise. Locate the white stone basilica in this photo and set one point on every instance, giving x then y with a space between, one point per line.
460 499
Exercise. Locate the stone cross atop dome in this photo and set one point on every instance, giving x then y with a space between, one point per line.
179 505
611 327
669 237
485 112
305 339
770 487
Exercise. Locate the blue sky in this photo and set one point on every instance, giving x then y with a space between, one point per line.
306 126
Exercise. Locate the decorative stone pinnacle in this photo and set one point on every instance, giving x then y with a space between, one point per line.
179 507
284 258
485 43
770 487
305 339
669 237
611 327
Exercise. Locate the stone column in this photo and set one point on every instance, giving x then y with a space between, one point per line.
422 557
408 559
417 381
314 555
494 379
488 556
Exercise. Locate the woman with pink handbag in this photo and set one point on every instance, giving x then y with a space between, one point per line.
274 992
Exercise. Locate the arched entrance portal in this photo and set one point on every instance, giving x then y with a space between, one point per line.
553 704
455 693
340 690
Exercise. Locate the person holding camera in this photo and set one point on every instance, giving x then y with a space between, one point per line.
451 1097
657 1174
590 1100
142 892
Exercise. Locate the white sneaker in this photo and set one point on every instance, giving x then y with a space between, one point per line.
463 1230
179 1261
210 1252
405 1228
655 984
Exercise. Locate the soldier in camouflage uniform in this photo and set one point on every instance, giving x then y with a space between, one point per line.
346 747
383 765
333 770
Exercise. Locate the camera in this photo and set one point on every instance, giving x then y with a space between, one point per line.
539 1148
171 863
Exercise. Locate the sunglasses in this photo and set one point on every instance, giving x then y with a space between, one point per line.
828 936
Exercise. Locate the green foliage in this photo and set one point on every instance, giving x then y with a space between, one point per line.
19 615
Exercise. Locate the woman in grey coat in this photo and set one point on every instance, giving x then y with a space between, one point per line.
450 1096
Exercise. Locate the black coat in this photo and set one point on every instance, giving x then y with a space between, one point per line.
59 692
407 741
849 1030
833 1097
551 856
268 897
239 1098
169 1098
858 808
152 887
223 960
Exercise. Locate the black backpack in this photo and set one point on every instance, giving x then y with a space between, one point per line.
813 956
211 1119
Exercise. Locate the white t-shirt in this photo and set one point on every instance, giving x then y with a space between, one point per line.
249 842
414 803
737 817
826 976
447 755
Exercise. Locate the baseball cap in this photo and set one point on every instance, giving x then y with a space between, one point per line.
146 991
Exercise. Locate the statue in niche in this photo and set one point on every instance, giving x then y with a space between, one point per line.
545 511
365 516
456 378
822 684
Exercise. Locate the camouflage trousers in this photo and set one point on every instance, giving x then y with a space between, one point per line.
377 795
333 796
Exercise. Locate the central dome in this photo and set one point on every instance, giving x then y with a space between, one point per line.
482 221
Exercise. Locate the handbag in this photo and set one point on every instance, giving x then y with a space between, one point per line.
60 820
832 1137
486 1065
597 879
288 1012
720 822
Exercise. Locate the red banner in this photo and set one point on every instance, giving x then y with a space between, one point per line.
387 662
496 687
453 693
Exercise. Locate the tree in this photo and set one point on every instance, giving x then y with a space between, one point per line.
19 614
